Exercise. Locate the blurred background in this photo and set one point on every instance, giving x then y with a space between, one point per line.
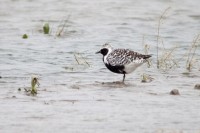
57 40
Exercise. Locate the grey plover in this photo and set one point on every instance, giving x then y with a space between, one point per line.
122 61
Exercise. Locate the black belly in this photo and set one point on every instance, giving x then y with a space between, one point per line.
116 69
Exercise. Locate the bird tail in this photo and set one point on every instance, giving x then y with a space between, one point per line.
146 56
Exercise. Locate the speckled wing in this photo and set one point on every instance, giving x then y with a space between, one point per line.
120 57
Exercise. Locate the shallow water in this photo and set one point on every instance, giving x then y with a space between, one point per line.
86 98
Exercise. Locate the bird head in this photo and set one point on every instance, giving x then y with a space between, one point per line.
106 48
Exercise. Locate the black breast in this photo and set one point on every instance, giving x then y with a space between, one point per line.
116 69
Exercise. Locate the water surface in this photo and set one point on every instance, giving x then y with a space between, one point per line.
82 98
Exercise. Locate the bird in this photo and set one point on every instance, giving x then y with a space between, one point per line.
121 61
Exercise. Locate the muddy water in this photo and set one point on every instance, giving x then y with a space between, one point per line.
84 98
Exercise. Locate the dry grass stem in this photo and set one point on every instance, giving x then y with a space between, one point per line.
158 33
80 59
60 30
191 53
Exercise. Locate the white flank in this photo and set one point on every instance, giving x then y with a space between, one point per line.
133 65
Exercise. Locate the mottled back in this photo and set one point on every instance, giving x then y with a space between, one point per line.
120 57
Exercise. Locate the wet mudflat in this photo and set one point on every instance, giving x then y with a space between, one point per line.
77 93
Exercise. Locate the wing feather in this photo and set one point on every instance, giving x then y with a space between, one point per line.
125 56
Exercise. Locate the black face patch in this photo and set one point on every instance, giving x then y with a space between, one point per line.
104 51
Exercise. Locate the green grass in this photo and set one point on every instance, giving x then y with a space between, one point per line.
24 36
46 28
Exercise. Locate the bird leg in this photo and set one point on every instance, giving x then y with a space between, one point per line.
123 78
